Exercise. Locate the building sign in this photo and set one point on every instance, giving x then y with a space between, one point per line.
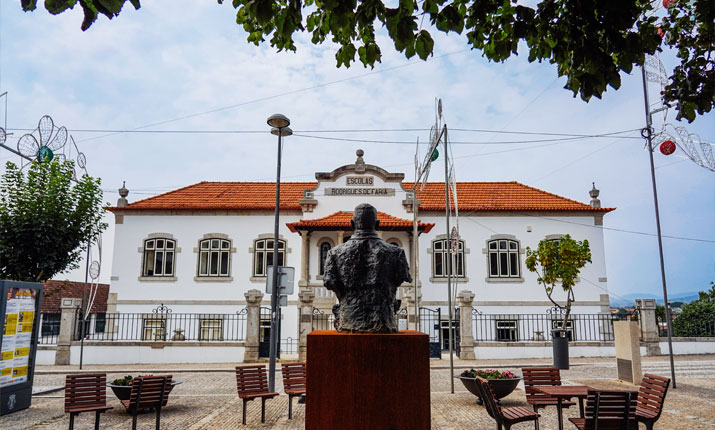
359 181
359 191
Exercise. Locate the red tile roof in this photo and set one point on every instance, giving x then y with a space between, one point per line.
341 221
498 196
473 197
56 290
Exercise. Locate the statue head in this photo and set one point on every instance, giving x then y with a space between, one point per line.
365 218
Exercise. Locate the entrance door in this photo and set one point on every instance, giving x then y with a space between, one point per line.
264 333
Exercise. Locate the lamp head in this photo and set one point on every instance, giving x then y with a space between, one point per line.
278 120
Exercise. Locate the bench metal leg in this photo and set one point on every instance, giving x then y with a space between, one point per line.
158 417
72 420
96 420
244 411
290 406
134 419
263 409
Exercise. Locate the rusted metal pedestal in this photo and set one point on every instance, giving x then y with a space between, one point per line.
368 381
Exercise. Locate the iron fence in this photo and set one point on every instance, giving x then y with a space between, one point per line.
166 326
289 346
688 327
322 320
537 327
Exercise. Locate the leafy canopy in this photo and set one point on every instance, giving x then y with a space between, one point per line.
590 41
46 221
559 262
698 316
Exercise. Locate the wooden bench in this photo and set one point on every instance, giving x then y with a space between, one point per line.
505 417
86 393
536 376
651 397
252 383
148 392
294 375
608 410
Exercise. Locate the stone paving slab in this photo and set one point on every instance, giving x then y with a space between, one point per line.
207 400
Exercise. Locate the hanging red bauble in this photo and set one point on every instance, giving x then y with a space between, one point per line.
667 147
667 3
660 32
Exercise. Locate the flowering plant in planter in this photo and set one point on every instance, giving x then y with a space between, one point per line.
126 381
488 374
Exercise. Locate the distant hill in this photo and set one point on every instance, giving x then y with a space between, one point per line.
628 300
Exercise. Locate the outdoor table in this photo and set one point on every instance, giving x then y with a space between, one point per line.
561 392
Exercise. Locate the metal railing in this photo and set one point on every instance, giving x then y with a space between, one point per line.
537 327
167 326
289 346
688 327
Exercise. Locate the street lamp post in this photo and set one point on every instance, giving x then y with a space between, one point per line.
279 127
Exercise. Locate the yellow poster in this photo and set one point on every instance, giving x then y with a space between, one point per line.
18 372
10 324
7 355
6 371
24 321
22 352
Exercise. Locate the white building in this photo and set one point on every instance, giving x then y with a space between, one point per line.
198 249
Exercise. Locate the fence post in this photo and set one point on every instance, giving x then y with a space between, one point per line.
305 325
649 325
253 323
465 298
111 324
68 307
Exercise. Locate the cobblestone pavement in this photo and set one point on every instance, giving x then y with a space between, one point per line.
207 397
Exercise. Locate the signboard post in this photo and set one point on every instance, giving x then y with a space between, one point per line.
20 305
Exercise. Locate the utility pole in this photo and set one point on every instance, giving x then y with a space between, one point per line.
647 134
449 260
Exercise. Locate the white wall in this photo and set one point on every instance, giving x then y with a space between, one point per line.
682 346
45 356
544 350
190 352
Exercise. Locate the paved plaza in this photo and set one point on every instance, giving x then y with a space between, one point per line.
207 398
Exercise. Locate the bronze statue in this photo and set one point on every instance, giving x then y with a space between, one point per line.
364 273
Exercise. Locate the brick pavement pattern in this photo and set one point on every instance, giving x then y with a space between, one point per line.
207 398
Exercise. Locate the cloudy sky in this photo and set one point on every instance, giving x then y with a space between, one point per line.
184 65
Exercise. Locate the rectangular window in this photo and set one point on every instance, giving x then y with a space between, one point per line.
100 323
211 329
503 259
154 329
507 331
158 257
446 261
263 255
224 263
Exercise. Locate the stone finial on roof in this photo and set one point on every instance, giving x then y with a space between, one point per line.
595 202
123 193
359 163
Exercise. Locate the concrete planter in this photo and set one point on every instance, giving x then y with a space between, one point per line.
500 387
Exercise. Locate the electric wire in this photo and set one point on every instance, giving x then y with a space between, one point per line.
300 90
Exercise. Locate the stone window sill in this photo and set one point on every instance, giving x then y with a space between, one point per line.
444 280
258 279
503 280
213 278
157 279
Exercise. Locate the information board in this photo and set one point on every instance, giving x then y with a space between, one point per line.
20 304
17 335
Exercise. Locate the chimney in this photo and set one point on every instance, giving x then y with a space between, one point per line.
123 193
595 203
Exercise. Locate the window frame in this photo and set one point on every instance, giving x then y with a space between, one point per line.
264 251
224 248
440 251
216 329
154 337
151 245
503 256
513 331
322 257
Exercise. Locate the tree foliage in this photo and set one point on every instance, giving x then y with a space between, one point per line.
46 221
590 41
559 262
698 316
